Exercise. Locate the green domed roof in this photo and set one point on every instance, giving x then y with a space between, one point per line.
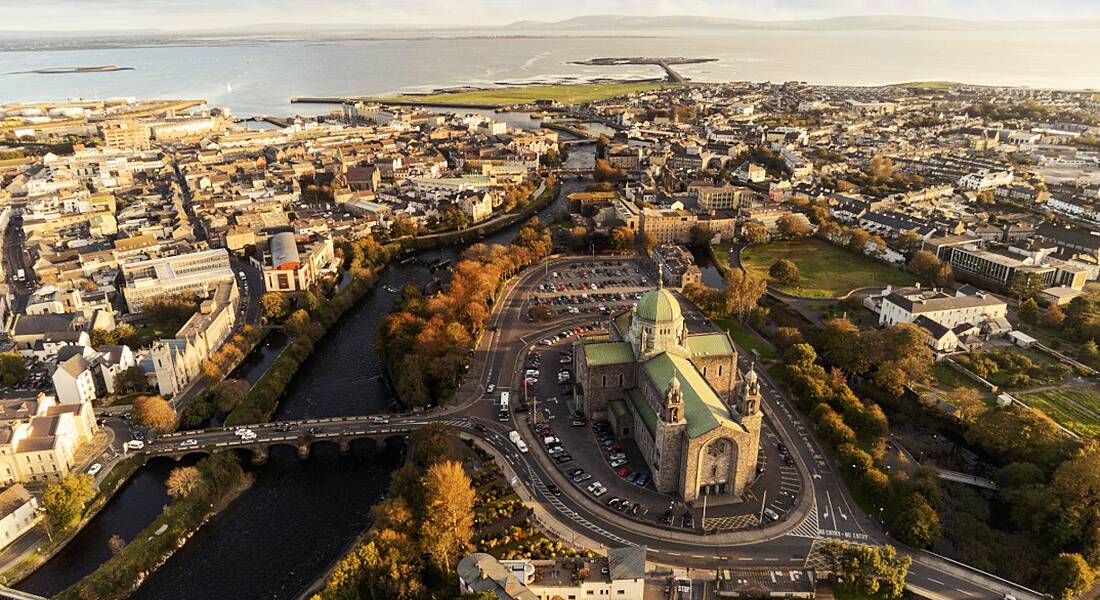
659 306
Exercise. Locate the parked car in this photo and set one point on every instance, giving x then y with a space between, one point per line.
94 469
771 514
618 462
623 472
642 479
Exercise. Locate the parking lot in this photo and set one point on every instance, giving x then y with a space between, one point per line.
600 286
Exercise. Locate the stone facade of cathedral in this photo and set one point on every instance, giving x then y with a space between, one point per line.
694 417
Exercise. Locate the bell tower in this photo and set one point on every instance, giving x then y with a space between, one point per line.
673 410
749 398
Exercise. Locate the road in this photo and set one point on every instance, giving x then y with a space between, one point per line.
826 513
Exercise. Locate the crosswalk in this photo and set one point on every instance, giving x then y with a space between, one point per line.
809 527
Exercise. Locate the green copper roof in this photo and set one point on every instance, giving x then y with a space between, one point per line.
643 410
618 407
608 353
709 344
703 409
659 306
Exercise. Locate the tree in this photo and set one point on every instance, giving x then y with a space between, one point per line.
131 380
63 501
227 394
743 290
275 305
792 227
916 522
1024 285
649 242
449 518
925 264
700 235
605 171
1029 311
1053 316
622 239
908 243
169 313
1067 575
403 226
12 368
785 271
868 569
455 219
184 481
1077 517
154 411
754 233
123 333
857 241
116 544
840 344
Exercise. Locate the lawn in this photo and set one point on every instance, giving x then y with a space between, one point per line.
565 93
827 270
951 379
746 340
1067 407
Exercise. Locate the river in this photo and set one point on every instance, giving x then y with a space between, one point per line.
299 516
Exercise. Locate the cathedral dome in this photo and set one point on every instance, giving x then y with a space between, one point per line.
659 306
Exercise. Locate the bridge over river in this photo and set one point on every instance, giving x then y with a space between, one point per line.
301 434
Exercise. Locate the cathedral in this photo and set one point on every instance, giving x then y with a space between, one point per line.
679 396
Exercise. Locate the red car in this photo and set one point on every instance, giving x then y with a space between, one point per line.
623 472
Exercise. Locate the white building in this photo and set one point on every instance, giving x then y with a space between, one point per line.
949 311
18 514
195 272
621 575
39 438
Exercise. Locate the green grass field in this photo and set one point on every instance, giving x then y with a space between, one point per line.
745 340
827 271
1069 407
566 94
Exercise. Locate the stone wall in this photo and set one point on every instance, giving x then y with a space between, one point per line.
720 371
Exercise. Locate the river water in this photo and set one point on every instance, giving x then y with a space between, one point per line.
281 534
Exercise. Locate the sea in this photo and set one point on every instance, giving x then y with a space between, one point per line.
260 78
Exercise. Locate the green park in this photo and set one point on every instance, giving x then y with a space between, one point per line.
826 270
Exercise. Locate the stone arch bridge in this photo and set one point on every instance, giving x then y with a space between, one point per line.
301 434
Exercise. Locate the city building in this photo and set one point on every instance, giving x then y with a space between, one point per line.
696 421
620 575
194 272
125 134
39 438
83 374
293 265
18 513
677 265
178 361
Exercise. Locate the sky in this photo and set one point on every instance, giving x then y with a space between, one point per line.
189 15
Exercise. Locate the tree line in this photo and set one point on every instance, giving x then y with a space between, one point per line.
426 342
418 533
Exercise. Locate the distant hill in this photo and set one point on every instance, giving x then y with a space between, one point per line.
866 22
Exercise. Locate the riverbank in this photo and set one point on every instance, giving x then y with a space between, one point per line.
221 480
115 479
262 399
